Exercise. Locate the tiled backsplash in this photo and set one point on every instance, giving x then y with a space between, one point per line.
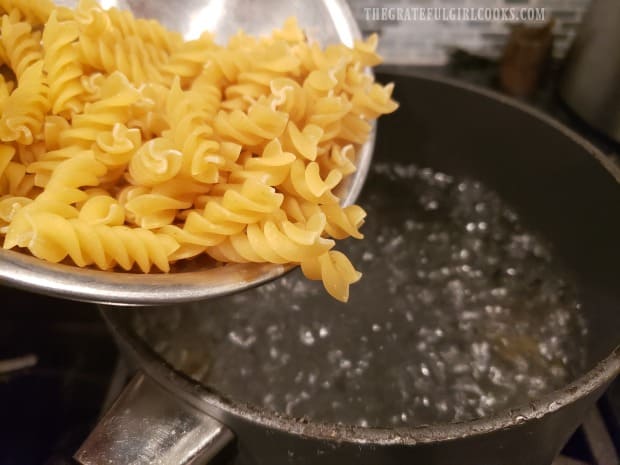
430 42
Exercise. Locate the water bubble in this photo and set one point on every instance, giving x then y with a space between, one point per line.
432 205
306 337
368 256
334 355
242 340
393 244
499 292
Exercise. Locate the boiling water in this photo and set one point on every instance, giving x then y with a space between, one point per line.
461 312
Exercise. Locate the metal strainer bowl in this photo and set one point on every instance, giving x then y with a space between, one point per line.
326 21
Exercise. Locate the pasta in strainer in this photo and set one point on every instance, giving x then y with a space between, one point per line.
122 146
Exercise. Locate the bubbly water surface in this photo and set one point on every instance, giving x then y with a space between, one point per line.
461 312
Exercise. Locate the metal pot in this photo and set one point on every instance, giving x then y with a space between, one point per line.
559 184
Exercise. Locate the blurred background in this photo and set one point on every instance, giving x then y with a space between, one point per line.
430 42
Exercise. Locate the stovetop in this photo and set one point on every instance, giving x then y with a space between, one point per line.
47 409
59 366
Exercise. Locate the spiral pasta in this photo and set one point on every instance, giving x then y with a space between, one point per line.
15 181
276 242
23 112
35 13
208 94
271 168
45 165
124 146
305 181
64 71
150 210
187 60
117 147
341 222
7 152
20 44
116 96
52 237
9 206
201 156
259 125
231 212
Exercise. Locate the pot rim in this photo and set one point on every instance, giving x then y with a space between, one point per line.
180 384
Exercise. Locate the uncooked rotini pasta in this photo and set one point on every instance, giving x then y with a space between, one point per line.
124 147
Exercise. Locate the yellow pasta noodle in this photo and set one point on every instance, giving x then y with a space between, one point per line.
64 71
20 45
122 146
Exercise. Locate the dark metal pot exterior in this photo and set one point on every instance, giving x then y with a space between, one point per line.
558 183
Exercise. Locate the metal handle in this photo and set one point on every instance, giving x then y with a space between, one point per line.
148 425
